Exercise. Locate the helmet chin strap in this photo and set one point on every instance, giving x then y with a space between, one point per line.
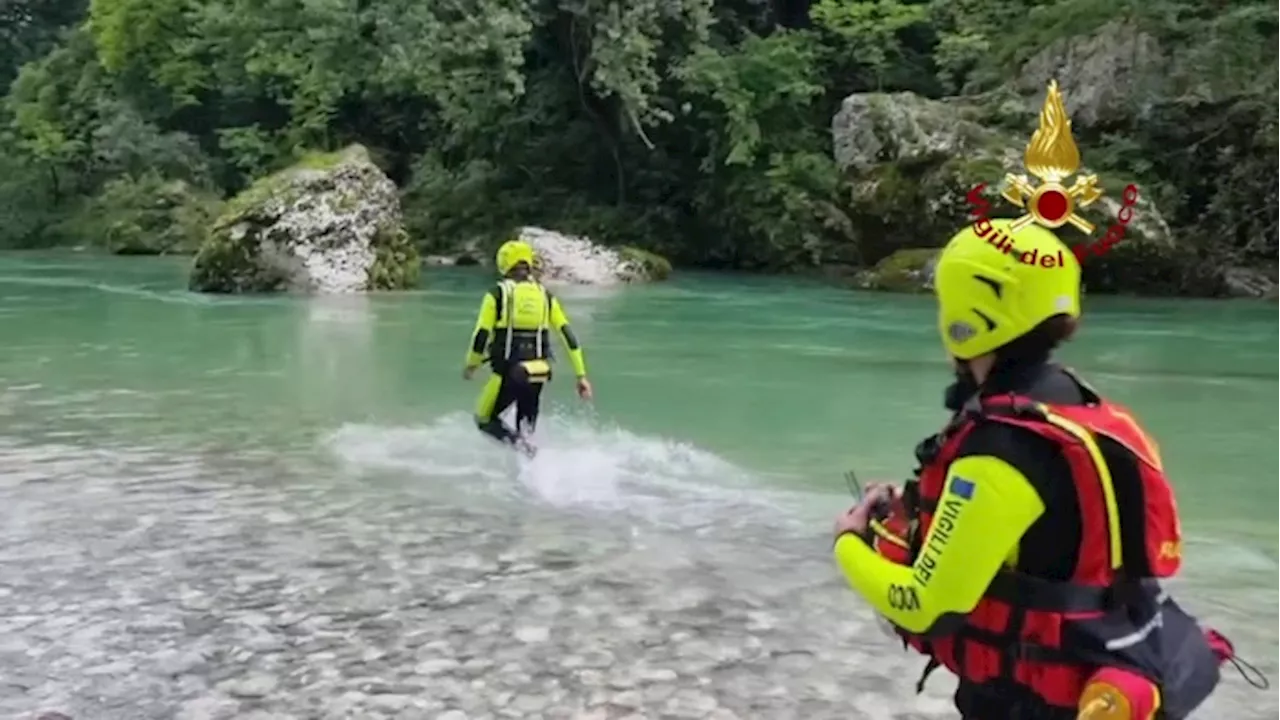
965 387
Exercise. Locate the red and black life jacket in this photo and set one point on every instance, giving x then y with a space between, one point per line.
1035 642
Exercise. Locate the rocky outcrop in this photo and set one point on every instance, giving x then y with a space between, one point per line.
579 261
1113 73
330 224
1131 68
1168 104
907 271
872 129
1252 282
913 162
910 163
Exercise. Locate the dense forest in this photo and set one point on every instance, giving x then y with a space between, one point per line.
700 129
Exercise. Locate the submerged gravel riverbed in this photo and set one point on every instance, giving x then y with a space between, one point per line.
174 595
141 586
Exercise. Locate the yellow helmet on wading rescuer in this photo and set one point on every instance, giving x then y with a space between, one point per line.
512 253
996 286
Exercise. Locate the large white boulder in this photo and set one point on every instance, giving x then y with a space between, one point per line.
330 224
579 261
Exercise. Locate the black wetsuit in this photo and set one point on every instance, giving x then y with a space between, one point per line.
526 396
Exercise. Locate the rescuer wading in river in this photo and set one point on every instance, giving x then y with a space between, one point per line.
1025 554
513 333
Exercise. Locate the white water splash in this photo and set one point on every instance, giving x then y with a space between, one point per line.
579 465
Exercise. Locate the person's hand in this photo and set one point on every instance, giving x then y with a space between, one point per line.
584 388
468 372
855 519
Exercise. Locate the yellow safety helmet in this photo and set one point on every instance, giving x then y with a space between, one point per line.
512 253
995 285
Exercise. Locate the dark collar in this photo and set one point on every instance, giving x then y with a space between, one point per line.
1043 381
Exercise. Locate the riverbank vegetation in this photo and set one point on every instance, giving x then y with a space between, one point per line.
699 130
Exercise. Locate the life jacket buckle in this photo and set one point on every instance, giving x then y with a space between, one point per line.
1018 652
928 449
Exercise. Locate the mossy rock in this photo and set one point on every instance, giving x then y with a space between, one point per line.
910 163
329 223
228 263
919 204
909 270
287 185
396 262
871 129
650 266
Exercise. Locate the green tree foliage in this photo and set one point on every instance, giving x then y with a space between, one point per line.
694 128
29 28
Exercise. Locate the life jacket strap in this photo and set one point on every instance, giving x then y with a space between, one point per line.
507 293
1025 594
508 302
1031 593
1015 652
929 667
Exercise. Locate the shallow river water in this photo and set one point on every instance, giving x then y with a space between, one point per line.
273 508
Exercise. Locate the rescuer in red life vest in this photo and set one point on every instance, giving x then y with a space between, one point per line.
1025 555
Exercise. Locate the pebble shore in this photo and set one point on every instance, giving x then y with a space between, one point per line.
143 588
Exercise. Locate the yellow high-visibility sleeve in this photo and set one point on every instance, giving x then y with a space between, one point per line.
986 507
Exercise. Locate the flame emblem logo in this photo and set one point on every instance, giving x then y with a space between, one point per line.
1052 157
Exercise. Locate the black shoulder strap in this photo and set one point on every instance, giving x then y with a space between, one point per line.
496 293
1091 396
